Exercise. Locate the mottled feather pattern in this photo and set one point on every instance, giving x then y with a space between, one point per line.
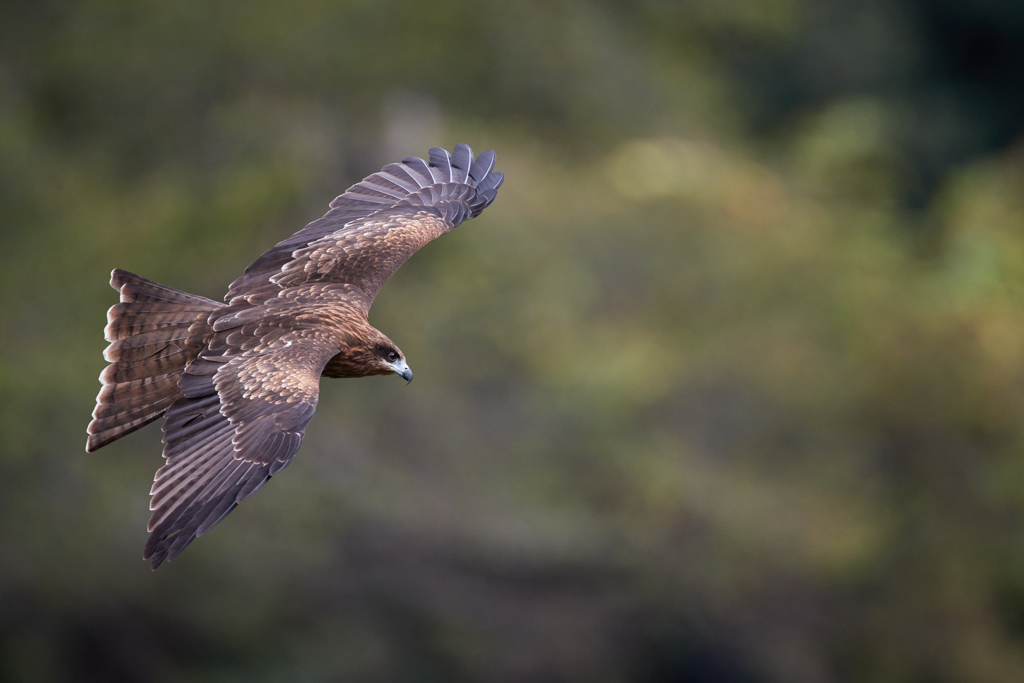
237 384
366 253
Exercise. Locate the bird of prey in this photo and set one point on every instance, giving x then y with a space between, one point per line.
237 383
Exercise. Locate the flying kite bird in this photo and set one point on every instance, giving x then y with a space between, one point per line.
237 383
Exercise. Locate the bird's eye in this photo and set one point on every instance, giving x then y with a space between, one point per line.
393 356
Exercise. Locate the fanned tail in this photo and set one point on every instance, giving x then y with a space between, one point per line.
154 333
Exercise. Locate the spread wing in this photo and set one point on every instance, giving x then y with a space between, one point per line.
375 226
246 402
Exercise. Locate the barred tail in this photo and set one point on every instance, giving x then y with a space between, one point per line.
154 333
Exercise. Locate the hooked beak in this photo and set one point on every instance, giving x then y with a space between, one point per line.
401 369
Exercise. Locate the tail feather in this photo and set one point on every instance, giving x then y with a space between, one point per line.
127 348
154 333
164 359
128 397
126 424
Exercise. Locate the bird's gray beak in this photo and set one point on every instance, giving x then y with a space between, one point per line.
402 370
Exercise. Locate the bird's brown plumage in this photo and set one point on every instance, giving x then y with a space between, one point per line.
237 383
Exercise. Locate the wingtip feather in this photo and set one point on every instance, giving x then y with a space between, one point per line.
483 165
442 161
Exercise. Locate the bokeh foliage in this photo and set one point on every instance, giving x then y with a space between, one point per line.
726 386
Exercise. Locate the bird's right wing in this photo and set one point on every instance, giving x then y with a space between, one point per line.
246 402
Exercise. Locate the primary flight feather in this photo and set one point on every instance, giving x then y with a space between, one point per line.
237 383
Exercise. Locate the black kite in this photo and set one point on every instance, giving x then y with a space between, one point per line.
238 382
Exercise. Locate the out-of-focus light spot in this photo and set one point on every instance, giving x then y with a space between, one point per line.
644 169
746 193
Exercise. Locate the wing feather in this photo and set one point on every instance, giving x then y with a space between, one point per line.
380 189
462 160
447 188
206 463
400 175
240 421
441 165
421 169
225 498
483 166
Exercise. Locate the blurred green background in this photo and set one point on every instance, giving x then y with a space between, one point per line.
727 385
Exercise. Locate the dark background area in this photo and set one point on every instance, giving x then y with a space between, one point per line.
727 385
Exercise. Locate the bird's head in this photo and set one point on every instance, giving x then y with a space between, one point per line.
382 356
368 352
389 358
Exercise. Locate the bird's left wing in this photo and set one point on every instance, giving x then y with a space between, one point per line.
246 402
375 226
